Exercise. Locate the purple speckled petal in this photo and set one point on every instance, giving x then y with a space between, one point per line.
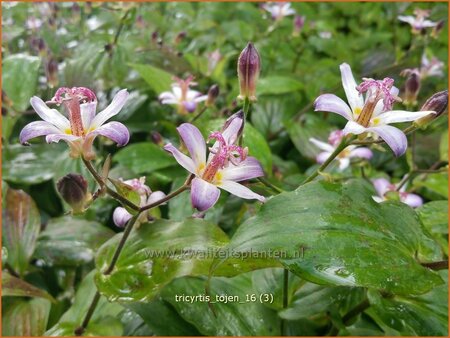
241 191
115 131
35 129
246 170
203 194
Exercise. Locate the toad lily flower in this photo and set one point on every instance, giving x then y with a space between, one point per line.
433 67
279 10
372 115
419 21
181 95
384 188
226 165
345 156
121 216
80 130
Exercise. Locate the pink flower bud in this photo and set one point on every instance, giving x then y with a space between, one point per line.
121 216
412 86
249 66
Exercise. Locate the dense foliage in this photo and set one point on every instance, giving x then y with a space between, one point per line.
300 222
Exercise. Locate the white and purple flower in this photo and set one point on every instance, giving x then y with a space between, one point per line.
121 216
383 187
433 67
419 21
182 96
278 10
226 164
345 156
82 126
372 114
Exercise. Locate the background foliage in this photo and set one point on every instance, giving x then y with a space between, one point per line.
357 251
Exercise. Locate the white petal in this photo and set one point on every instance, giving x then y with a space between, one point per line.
381 186
185 161
361 152
334 104
344 163
88 113
241 191
195 143
354 128
35 129
114 108
407 18
49 115
354 98
322 157
246 170
395 116
321 145
412 200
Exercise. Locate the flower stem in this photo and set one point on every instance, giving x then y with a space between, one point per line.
269 184
341 146
196 117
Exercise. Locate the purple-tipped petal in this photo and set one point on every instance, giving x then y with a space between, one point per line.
381 186
113 109
49 115
155 197
396 116
35 129
334 104
115 131
58 137
185 161
394 138
413 200
195 143
121 216
87 111
354 98
361 153
203 194
190 106
168 98
354 128
246 170
231 132
241 191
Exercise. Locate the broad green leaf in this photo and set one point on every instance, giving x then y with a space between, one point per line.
437 183
434 216
159 80
300 132
20 228
155 254
31 165
258 147
144 157
133 324
19 79
70 241
26 317
274 85
335 234
443 148
172 325
426 315
104 321
13 286
238 317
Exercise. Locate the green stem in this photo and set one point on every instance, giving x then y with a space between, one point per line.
269 184
341 146
196 117
80 330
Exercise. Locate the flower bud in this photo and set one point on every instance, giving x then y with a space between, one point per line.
438 103
299 22
412 86
249 66
52 72
121 216
437 29
76 12
180 37
213 93
157 138
73 189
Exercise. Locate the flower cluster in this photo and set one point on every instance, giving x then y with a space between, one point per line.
182 96
386 190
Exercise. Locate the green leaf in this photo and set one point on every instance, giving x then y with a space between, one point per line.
277 85
238 317
19 79
141 272
335 234
159 80
258 147
437 183
144 157
104 321
434 216
127 191
443 148
20 228
426 315
26 317
70 241
13 286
